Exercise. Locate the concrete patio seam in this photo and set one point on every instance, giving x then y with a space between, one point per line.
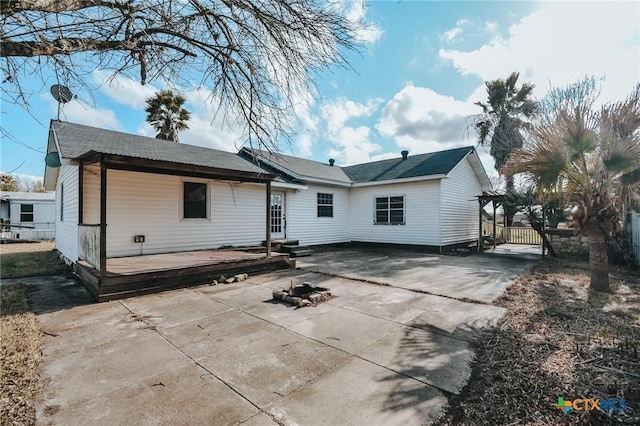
207 370
351 355
385 284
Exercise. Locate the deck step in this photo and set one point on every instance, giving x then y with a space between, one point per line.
277 244
301 253
296 250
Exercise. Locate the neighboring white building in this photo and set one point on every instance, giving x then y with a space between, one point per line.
28 215
427 199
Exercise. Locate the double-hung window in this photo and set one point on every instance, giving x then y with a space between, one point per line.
325 205
390 210
195 200
26 212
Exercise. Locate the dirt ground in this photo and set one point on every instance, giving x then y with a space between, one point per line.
557 339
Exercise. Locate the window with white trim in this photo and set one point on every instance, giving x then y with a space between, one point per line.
26 212
194 200
325 205
389 210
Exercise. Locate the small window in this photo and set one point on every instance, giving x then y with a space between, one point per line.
26 212
61 202
195 200
325 205
389 210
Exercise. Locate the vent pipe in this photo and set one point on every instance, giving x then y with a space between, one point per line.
331 162
405 154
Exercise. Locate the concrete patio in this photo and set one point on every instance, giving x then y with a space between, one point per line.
227 354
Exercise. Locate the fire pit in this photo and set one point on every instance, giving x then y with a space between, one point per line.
302 295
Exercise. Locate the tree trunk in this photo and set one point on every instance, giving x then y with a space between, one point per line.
598 261
509 209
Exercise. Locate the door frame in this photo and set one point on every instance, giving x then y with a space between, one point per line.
281 218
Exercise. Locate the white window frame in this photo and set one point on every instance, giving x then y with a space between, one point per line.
389 210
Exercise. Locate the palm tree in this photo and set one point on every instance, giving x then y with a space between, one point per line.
591 157
166 115
505 114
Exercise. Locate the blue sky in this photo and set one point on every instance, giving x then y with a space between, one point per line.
423 66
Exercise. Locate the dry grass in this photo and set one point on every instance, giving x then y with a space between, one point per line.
19 357
29 259
21 337
557 339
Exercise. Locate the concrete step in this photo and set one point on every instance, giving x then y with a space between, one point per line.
279 243
300 252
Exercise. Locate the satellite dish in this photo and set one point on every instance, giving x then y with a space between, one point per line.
61 93
52 159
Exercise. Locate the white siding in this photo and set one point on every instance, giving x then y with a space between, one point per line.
44 219
303 223
91 194
67 229
459 208
422 215
152 207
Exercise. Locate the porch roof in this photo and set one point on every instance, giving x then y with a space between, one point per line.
80 142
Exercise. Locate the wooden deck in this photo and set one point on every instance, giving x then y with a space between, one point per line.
132 276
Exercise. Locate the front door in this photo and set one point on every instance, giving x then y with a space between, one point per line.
278 221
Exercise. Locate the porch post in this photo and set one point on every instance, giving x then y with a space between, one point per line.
103 218
268 227
81 193
480 201
494 223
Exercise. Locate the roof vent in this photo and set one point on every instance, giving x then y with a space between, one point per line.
331 162
405 154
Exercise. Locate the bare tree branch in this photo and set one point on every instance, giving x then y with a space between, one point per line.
258 57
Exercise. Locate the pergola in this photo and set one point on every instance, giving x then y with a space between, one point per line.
496 201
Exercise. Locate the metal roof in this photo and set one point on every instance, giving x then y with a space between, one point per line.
76 140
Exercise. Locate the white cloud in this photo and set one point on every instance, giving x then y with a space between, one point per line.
81 113
124 90
454 32
422 120
370 32
304 144
351 143
561 43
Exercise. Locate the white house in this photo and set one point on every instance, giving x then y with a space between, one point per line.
426 200
124 196
28 215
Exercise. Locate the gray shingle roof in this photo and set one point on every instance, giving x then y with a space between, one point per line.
435 163
301 167
76 140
